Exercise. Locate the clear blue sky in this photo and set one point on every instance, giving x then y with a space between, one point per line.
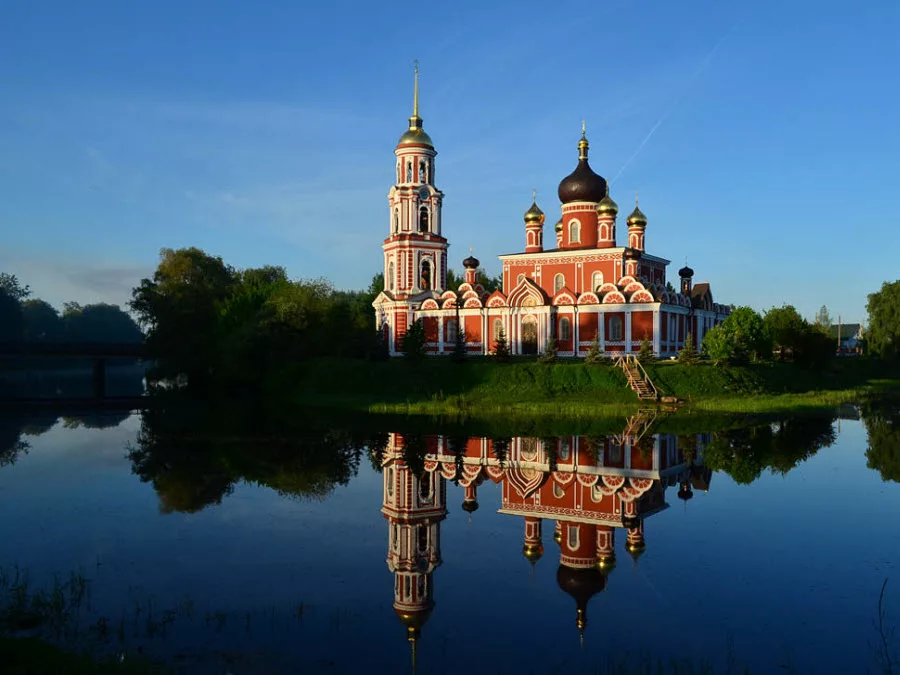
263 132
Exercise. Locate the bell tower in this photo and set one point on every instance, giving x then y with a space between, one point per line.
415 252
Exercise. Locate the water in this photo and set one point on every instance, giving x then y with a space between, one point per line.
226 552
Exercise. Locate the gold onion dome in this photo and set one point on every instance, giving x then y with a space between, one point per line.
558 226
582 185
607 207
534 215
636 550
532 552
637 218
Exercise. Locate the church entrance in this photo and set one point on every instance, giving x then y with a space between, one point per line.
529 335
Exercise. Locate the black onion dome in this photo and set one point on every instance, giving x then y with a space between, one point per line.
470 506
471 263
685 272
582 185
581 584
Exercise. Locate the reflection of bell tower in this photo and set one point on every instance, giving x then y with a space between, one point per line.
578 574
414 507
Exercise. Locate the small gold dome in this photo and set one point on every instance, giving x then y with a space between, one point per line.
637 218
415 136
532 552
558 226
607 207
557 536
534 215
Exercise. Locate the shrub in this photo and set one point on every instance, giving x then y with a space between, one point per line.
501 347
414 341
549 355
646 355
594 355
688 354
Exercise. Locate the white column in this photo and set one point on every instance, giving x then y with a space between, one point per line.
575 331
440 335
601 330
657 328
627 335
485 323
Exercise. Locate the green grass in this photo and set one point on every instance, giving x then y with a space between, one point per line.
571 389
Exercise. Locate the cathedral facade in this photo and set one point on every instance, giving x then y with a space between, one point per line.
583 289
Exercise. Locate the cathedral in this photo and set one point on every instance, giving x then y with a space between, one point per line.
582 290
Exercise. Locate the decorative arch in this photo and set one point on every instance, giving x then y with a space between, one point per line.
449 303
633 287
642 296
526 481
431 303
614 298
527 290
472 302
496 299
596 280
588 299
624 281
563 478
564 297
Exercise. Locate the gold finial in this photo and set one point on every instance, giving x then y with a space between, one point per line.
470 249
583 143
583 130
534 195
636 199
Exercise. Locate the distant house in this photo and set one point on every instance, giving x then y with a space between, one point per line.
850 335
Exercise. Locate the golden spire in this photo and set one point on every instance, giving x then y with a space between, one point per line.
416 89
583 144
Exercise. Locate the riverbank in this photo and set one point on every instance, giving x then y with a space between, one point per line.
480 387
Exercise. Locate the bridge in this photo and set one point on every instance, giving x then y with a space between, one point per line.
97 352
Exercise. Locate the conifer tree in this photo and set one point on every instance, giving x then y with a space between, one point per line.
549 355
645 355
501 346
594 355
688 354
459 346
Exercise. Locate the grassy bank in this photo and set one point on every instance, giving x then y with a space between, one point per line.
479 387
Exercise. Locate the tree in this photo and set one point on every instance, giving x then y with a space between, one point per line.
501 346
9 284
883 333
595 354
883 452
823 318
100 322
688 354
459 344
786 328
414 341
42 322
12 321
549 355
741 338
646 355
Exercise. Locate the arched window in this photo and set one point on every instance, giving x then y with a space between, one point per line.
573 536
423 538
409 172
423 172
530 238
574 232
615 328
426 275
423 219
498 326
425 493
596 281
396 221
565 329
408 585
558 282
565 449
390 279
451 330
390 482
558 492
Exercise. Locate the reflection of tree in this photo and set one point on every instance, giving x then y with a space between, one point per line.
744 453
11 443
194 455
99 419
883 453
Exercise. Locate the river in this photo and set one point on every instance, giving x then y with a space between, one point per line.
333 548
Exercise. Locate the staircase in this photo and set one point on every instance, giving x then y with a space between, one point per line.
637 426
638 379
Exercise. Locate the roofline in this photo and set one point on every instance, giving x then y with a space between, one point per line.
564 252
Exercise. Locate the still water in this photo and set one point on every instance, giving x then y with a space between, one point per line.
764 547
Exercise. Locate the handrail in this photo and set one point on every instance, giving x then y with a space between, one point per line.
628 359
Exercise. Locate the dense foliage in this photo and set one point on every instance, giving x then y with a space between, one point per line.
741 338
883 334
215 324
883 428
26 319
794 337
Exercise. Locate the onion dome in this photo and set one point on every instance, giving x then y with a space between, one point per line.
582 584
558 227
533 552
635 549
582 185
637 218
534 215
557 536
607 207
606 564
470 506
471 263
415 135
685 492
685 272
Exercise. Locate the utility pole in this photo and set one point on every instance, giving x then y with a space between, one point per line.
839 333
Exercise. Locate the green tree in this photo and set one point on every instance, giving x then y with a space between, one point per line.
595 354
100 322
179 308
9 284
645 354
501 346
414 341
12 320
42 321
786 328
741 338
549 355
459 344
883 332
883 451
823 318
688 354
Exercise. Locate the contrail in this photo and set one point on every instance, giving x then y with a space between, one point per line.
677 98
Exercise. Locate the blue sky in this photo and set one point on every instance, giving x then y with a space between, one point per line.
264 132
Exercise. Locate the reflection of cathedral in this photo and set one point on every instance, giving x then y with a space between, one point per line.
581 289
591 487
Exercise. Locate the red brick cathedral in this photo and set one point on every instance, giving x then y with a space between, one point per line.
585 289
